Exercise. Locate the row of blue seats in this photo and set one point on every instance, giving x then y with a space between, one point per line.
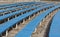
55 26
11 9
16 13
6 26
12 5
7 7
2 11
25 3
30 27
9 15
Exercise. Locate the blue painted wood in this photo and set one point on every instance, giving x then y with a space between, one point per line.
55 26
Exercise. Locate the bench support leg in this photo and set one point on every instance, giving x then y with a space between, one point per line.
29 17
30 36
43 19
34 15
8 19
16 26
15 16
35 30
6 33
40 23
23 21
21 13
38 12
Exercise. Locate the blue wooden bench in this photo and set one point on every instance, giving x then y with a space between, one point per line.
30 27
55 26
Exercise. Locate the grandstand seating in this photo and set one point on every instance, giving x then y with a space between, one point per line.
28 30
12 14
20 19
